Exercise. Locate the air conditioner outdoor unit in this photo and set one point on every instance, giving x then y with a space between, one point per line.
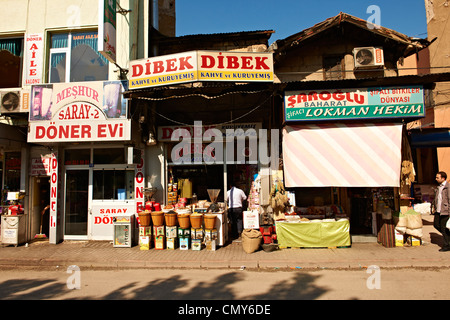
10 101
368 57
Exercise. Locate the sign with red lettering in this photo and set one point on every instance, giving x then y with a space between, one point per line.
201 66
349 104
34 53
82 111
102 217
41 166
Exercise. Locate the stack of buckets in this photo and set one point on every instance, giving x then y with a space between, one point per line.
189 234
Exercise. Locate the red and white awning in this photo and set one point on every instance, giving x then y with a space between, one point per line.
342 155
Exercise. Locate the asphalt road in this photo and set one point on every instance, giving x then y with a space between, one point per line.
187 284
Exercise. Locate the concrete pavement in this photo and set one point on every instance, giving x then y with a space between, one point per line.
102 254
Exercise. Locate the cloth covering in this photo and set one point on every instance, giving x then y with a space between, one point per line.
314 234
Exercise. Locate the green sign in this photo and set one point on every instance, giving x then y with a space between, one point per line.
348 104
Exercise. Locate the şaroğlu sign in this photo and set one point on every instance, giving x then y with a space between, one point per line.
347 104
201 66
78 111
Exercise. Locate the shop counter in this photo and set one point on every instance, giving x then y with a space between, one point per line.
314 234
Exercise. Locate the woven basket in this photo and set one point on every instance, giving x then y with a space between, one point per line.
158 218
184 221
210 221
171 219
144 218
196 220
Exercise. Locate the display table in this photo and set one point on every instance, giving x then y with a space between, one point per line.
313 234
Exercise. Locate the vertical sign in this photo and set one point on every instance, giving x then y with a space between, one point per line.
34 51
107 29
139 184
53 234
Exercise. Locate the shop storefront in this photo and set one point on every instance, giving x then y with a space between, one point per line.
211 165
89 169
343 151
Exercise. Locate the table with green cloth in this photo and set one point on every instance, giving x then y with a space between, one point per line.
313 234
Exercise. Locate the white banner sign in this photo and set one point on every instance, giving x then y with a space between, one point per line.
34 53
82 111
102 218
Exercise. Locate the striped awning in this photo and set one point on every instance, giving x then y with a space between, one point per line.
342 155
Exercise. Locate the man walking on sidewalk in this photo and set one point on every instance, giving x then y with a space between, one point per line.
441 206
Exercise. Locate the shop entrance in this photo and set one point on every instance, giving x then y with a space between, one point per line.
196 180
242 176
41 199
76 204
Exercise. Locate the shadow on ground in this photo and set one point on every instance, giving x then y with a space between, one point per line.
301 286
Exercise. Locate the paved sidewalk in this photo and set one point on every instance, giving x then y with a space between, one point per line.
102 254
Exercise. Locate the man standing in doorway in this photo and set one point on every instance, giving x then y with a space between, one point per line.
235 198
441 206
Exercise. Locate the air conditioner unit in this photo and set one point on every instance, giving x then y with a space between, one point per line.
368 57
10 101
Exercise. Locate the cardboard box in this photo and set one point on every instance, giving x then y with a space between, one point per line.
196 244
184 233
158 231
144 242
197 233
171 243
399 239
184 243
210 245
145 231
171 232
414 241
159 243
210 234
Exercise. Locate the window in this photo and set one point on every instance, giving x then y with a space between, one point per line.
11 57
109 156
77 156
74 57
114 184
12 167
333 68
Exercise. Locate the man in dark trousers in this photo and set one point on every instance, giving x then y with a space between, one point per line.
441 206
235 198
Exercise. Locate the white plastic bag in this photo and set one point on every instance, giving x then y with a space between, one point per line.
448 224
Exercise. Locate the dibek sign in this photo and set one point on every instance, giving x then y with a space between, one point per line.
90 111
201 66
365 103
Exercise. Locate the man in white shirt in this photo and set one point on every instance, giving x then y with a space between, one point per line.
235 198
441 205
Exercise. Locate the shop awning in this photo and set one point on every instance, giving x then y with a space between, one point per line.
434 138
342 155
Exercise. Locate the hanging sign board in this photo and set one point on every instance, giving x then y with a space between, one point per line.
201 66
349 104
34 54
107 29
81 111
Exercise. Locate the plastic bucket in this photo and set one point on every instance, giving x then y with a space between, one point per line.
184 221
144 219
158 218
171 219
196 220
210 221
